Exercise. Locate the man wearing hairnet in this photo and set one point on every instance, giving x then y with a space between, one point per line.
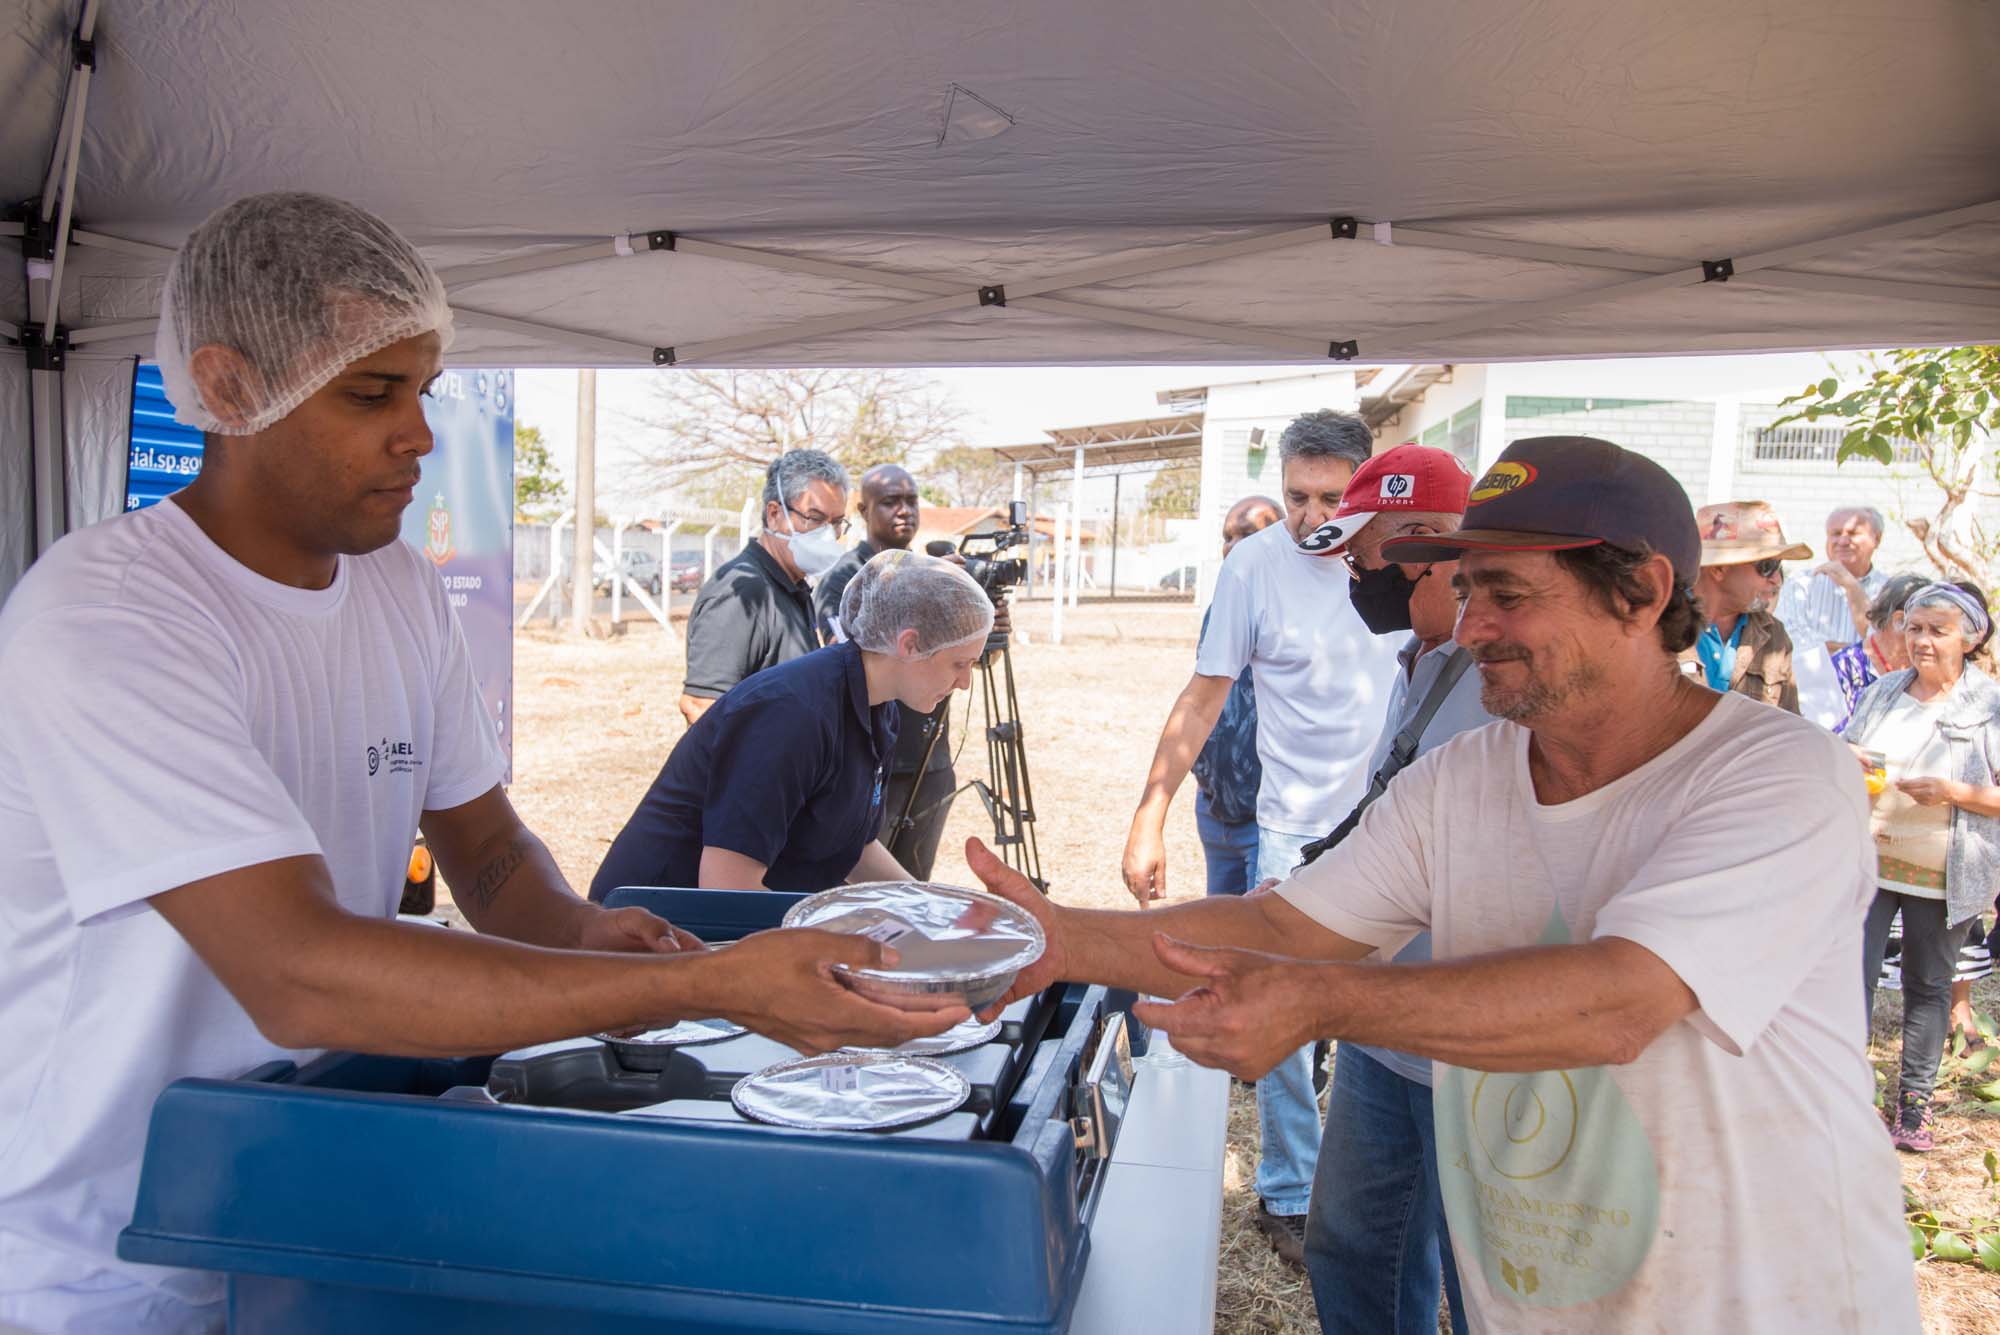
222 722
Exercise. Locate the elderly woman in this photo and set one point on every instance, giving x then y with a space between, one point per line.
1936 819
779 786
1857 665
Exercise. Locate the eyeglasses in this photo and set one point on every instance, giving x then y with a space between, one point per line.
1768 567
839 526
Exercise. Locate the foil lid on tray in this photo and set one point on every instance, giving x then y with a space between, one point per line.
684 1034
961 1037
851 1091
951 942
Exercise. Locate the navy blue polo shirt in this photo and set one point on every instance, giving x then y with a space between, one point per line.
785 769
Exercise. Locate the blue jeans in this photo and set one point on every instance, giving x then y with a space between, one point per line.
1376 1247
1229 850
1287 1108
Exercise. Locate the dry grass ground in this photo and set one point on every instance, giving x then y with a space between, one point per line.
595 719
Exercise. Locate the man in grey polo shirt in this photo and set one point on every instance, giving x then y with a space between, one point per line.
1376 1247
756 611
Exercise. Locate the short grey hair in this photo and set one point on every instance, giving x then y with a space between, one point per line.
1867 512
793 471
1327 434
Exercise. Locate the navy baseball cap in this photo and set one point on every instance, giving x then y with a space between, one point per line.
1556 493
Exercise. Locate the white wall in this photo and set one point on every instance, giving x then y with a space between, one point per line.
1699 426
1227 465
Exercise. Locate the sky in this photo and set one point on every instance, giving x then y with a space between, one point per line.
1003 405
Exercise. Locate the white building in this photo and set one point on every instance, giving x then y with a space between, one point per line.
1706 419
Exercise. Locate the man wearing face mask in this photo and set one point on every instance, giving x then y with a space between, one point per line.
1376 1244
757 611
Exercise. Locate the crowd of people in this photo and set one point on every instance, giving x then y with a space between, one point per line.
1502 787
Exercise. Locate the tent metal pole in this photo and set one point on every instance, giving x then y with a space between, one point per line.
609 346
465 275
100 241
1805 250
1497 317
1525 250
1875 287
1179 257
771 259
104 333
1302 344
82 81
62 151
879 317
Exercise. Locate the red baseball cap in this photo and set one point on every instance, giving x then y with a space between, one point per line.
1409 477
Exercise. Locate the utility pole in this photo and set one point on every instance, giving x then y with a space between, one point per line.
582 596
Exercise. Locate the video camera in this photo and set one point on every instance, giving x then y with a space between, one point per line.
983 562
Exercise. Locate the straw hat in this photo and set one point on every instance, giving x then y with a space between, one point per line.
1736 533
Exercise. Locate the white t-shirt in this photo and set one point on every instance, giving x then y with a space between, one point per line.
1735 1177
1321 678
166 714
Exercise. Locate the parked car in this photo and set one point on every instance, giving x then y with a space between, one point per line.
687 575
641 567
1181 580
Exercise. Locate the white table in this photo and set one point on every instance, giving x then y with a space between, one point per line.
1159 1222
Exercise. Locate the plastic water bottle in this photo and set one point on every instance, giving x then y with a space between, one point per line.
1161 1054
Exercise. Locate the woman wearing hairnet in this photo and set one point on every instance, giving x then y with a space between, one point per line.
779 787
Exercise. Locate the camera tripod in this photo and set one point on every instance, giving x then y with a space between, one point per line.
1006 793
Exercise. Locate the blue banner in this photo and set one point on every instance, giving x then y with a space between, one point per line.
463 520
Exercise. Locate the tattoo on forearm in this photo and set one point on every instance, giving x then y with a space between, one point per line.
485 887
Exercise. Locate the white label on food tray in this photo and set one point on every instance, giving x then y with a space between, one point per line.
875 924
839 1079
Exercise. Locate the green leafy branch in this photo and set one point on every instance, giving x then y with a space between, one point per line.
1939 407
1977 1241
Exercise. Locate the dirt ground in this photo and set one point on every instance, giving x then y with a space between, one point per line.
595 719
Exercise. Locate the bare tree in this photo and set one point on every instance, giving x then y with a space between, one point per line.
717 430
965 475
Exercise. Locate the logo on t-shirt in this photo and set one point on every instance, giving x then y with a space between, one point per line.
1398 488
1549 1181
398 757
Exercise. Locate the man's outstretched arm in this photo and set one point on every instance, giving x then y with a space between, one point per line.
312 975
1188 725
1536 1009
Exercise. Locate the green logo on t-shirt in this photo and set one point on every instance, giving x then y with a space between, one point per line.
1549 1181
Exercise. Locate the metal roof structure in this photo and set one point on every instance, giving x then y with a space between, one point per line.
1109 447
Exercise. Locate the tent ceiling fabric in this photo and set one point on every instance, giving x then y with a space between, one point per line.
502 128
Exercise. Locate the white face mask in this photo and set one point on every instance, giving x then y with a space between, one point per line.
815 550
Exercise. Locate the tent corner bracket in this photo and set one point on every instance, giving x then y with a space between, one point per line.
38 235
660 240
995 295
1344 350
1345 228
1717 271
663 356
45 354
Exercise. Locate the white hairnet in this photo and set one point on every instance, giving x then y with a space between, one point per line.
301 286
898 591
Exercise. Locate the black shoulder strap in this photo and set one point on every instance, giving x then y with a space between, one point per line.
1402 750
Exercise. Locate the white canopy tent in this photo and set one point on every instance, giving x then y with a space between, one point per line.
629 182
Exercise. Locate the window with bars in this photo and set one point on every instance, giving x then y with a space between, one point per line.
1798 444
